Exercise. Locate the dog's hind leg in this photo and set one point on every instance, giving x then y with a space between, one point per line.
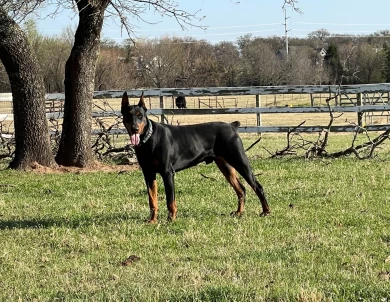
231 176
237 158
258 188
243 167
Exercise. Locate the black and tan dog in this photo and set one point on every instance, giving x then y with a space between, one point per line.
166 149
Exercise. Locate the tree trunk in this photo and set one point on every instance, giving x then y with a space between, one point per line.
75 145
28 92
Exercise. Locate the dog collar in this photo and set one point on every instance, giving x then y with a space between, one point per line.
149 133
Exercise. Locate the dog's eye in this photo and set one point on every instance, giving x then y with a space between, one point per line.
140 116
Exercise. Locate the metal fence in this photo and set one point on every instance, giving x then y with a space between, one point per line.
365 102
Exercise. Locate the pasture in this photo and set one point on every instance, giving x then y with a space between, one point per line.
64 236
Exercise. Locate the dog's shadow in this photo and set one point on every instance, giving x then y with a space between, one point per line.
74 222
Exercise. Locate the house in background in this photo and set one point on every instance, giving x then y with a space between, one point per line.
318 56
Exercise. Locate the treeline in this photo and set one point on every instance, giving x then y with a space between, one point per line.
250 61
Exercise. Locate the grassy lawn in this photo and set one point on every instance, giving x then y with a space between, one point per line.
64 235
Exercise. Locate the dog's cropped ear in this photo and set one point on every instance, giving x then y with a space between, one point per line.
125 100
141 102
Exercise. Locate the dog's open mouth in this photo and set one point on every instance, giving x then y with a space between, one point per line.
134 139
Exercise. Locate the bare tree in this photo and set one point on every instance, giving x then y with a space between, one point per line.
75 141
52 53
74 149
157 60
260 64
300 69
75 145
201 69
228 60
293 4
320 34
18 10
53 62
371 61
113 70
31 129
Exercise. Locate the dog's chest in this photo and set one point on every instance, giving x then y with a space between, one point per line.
148 159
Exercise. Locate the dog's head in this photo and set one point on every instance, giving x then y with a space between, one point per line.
134 118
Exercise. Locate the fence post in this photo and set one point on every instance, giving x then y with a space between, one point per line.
162 107
258 115
360 114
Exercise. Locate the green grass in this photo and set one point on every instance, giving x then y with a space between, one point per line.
63 236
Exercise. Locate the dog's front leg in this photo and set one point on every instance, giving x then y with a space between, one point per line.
169 185
151 185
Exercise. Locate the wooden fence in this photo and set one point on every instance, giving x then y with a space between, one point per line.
364 100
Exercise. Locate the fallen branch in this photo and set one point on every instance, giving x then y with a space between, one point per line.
208 177
318 148
251 146
290 149
7 186
371 145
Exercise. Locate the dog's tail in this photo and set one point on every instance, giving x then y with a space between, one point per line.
235 125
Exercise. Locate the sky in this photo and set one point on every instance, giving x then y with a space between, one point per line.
227 20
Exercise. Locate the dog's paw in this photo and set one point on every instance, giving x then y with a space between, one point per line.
236 214
263 214
151 221
171 218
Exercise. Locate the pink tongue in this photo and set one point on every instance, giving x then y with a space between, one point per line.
134 139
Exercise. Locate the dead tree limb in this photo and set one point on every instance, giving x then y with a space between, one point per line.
208 177
290 149
370 145
251 146
318 148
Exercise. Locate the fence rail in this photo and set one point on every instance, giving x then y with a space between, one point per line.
255 90
359 99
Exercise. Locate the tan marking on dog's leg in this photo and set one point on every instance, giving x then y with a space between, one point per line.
231 176
258 189
172 209
153 202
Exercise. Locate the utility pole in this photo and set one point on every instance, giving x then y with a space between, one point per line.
285 29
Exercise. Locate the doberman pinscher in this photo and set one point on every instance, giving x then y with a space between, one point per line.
167 149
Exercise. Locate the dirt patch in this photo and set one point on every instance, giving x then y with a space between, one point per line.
94 167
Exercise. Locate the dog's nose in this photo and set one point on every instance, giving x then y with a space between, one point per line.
135 130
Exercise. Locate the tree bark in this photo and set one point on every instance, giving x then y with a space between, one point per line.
75 145
28 92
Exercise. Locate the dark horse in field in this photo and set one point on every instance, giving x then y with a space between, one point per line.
181 102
